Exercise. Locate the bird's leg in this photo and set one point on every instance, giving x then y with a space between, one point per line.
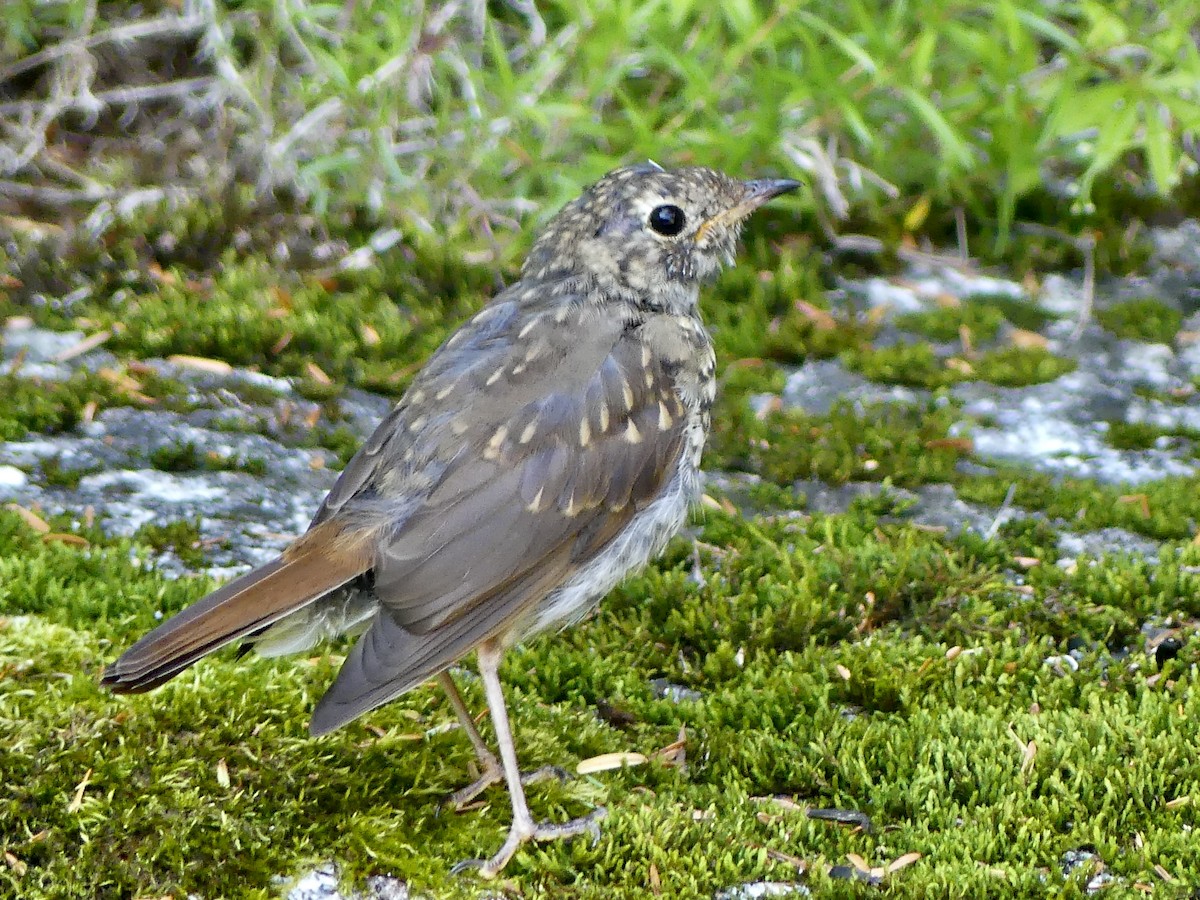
523 827
490 771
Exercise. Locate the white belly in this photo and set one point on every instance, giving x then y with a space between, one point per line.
643 539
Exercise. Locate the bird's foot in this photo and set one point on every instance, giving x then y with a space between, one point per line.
523 832
493 773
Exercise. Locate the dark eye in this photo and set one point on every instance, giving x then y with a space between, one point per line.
667 220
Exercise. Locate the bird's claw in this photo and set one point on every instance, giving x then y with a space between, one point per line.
545 831
464 865
460 798
494 774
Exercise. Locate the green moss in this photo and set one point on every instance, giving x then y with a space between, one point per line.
909 445
248 312
844 661
1175 397
1021 366
795 337
1022 313
915 445
752 376
251 465
766 495
1030 538
981 322
49 407
797 621
183 538
1146 319
187 457
176 458
773 307
54 473
1165 509
341 440
1132 435
917 365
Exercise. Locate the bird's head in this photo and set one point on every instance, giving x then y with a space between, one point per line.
651 232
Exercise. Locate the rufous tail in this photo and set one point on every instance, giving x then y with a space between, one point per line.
321 561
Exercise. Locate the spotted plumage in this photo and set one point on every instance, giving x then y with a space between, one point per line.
547 449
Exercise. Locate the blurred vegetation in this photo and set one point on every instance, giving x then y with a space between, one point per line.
453 120
1145 319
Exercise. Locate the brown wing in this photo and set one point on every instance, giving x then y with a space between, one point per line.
546 448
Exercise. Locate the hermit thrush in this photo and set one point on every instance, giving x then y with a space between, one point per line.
547 449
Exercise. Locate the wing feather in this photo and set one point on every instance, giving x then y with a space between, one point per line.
511 518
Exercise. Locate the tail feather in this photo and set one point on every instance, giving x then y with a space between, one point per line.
322 561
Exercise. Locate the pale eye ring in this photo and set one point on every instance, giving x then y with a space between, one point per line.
667 220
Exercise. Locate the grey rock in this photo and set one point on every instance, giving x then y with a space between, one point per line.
759 889
930 505
933 281
1107 540
247 517
244 518
818 384
676 693
1177 247
1060 427
11 478
881 292
1189 359
1061 295
319 884
37 344
322 884
1089 862
385 887
924 283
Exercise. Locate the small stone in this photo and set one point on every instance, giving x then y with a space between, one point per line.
12 477
319 884
676 693
385 887
39 344
758 889
1167 650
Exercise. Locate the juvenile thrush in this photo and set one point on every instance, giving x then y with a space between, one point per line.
546 450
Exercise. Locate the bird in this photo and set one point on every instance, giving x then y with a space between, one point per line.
546 450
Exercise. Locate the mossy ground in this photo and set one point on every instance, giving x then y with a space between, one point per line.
852 661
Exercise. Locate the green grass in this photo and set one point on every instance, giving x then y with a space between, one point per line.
957 103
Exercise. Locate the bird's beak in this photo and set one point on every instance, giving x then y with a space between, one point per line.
758 192
761 190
